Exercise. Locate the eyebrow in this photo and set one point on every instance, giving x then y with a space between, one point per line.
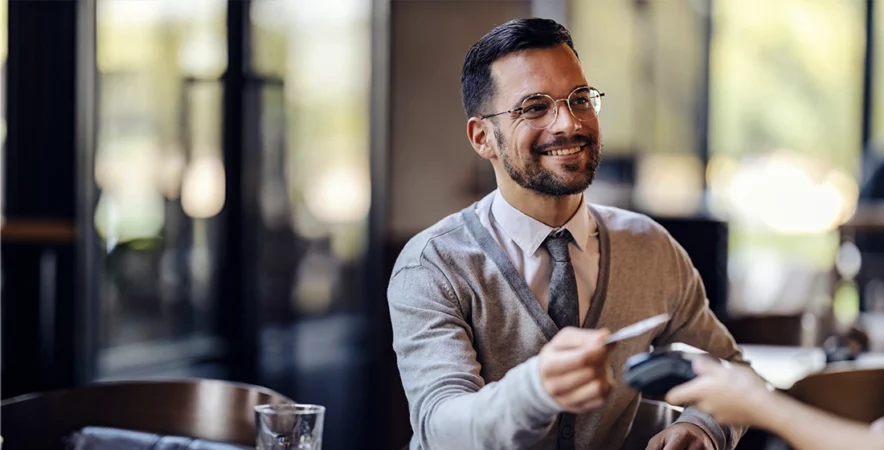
519 103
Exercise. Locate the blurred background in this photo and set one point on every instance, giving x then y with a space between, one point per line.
219 188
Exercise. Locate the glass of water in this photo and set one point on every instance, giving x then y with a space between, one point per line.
289 427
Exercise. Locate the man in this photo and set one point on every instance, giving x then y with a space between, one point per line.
496 310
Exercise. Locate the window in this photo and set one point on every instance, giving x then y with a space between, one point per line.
160 179
878 82
784 133
315 125
313 60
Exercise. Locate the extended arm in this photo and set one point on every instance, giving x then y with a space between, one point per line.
806 428
738 395
451 406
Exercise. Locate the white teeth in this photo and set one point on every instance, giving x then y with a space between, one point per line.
563 152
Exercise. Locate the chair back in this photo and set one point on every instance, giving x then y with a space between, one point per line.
856 394
200 409
651 418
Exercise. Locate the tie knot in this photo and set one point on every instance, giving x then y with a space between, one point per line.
557 246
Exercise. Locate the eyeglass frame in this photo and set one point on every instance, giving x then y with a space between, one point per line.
555 102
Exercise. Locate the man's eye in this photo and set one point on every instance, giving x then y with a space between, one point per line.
534 109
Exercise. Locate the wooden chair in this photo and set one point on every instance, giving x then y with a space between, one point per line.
856 394
200 409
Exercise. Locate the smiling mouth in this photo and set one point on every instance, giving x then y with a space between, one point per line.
563 151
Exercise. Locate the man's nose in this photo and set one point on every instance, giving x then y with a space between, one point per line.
565 122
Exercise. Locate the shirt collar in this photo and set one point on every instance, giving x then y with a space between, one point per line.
529 233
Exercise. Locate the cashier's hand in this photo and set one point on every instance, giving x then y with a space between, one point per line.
574 369
732 394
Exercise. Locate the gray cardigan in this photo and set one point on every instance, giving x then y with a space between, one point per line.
467 331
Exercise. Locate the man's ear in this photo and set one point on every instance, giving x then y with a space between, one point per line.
480 134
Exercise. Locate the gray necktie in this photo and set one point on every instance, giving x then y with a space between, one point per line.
563 284
563 310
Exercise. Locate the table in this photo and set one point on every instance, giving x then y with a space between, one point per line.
782 366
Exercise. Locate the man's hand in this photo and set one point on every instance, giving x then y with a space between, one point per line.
681 436
574 369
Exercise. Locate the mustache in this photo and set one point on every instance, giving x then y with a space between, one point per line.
573 141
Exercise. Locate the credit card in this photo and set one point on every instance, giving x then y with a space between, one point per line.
637 329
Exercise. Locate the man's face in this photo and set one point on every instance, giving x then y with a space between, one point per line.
527 153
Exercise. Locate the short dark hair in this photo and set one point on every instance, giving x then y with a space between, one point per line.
476 83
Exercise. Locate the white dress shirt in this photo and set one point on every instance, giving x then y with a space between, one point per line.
521 238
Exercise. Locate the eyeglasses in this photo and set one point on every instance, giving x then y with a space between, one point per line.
541 110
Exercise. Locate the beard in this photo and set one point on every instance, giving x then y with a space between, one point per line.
529 173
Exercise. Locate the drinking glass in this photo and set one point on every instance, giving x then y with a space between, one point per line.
289 427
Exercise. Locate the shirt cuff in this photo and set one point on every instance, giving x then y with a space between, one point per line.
716 432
